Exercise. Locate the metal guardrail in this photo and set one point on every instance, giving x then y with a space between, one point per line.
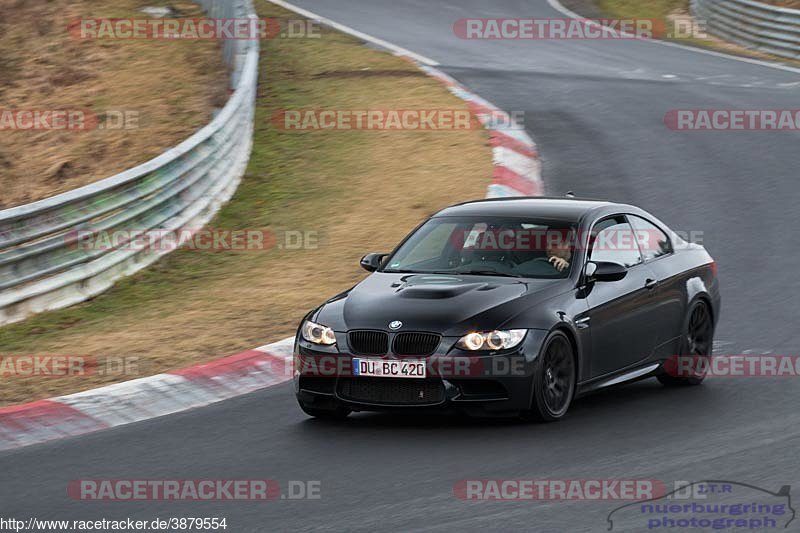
42 268
771 29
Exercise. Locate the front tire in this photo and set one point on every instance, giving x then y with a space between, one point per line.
554 381
691 365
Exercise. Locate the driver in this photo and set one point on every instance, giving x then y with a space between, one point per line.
559 253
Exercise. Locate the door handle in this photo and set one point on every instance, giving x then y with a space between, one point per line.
650 284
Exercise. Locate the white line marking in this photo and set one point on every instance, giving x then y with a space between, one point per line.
355 33
555 4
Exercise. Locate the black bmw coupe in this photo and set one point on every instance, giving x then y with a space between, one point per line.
512 306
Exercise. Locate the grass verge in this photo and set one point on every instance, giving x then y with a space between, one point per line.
166 89
359 191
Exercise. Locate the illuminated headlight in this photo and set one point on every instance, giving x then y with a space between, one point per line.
317 333
493 340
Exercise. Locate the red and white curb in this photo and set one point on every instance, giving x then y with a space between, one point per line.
517 172
145 398
517 167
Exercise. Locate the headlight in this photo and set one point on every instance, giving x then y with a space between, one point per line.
493 340
317 333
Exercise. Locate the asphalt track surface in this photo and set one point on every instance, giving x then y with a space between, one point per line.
596 110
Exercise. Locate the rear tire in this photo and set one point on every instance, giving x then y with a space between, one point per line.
554 381
697 342
339 412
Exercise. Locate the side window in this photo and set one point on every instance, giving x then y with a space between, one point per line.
652 241
613 241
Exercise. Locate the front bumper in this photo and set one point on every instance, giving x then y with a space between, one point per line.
484 385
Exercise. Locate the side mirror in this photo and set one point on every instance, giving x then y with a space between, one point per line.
371 262
604 271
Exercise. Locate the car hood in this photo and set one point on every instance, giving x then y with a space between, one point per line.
447 304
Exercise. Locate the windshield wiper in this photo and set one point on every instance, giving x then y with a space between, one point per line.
452 272
420 272
486 273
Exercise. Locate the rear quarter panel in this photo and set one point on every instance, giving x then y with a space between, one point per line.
684 276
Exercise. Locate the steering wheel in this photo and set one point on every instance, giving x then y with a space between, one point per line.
545 260
536 267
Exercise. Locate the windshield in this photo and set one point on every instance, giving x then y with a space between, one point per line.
492 246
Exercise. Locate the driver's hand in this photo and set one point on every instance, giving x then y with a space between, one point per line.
558 263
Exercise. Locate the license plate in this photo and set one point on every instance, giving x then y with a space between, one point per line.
388 368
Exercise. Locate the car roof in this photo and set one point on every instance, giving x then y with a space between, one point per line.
562 208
